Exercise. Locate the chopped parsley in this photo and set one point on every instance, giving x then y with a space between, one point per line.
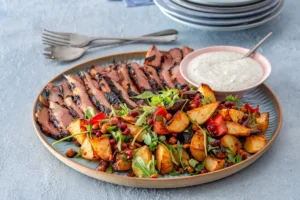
205 101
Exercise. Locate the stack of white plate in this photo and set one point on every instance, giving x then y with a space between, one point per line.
221 15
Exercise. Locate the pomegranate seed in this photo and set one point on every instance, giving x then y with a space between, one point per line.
215 143
150 122
230 164
212 127
124 145
134 113
129 152
228 104
197 103
168 116
126 131
197 97
123 126
240 121
112 141
129 157
245 117
98 134
118 117
203 171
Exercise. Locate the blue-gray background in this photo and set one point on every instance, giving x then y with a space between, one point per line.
29 171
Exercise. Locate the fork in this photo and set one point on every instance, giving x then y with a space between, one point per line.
76 40
67 53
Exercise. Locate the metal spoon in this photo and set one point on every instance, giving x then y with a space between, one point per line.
256 46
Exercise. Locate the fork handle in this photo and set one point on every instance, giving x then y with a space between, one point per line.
165 38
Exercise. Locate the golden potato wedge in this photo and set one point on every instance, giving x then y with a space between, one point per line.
232 143
102 147
225 114
235 115
87 151
237 130
122 164
212 164
197 146
203 113
164 163
254 143
145 154
185 156
263 122
207 92
129 119
179 122
75 127
135 130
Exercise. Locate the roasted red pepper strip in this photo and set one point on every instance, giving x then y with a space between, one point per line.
161 111
216 126
252 110
97 118
158 125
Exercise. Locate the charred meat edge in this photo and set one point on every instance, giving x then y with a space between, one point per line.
154 79
186 50
126 81
140 78
153 57
53 93
176 54
179 81
165 75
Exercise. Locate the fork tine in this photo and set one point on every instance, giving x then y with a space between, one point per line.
65 42
56 36
57 33
49 56
53 42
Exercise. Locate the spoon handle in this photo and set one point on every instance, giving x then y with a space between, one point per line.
257 45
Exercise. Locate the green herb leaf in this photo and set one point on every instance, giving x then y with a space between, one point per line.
109 169
111 128
68 137
137 135
143 117
147 138
89 113
89 129
78 154
162 138
174 173
193 87
180 151
106 135
159 118
193 162
206 100
230 156
144 95
210 139
232 98
209 148
147 170
238 158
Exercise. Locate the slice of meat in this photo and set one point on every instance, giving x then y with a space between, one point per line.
165 75
47 127
68 99
179 81
97 96
126 81
79 92
186 50
153 78
176 55
53 93
122 94
104 87
153 57
140 78
60 117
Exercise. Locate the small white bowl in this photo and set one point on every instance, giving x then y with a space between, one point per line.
265 64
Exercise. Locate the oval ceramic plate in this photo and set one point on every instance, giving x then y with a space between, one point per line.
224 2
186 9
262 96
216 9
216 22
226 28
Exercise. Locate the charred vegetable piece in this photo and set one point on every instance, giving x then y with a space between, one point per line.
212 164
163 157
179 122
197 146
102 147
122 163
237 130
232 143
254 143
207 92
263 121
145 154
217 126
235 115
159 121
203 113
181 104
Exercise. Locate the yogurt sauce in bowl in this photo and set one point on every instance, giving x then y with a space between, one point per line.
225 71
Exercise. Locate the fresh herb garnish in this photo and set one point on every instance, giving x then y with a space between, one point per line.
162 138
172 151
109 169
159 118
174 173
234 99
89 129
118 136
89 113
196 165
205 101
238 158
143 117
180 151
68 137
231 158
144 95
137 135
78 154
151 139
147 170
192 87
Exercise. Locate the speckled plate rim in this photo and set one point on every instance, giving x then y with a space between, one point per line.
148 182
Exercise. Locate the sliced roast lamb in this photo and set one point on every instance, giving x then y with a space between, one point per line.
179 81
126 81
140 78
79 92
165 75
176 55
53 93
68 100
153 57
60 117
97 96
186 50
153 77
47 127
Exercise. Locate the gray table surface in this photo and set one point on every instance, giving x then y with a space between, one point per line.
29 171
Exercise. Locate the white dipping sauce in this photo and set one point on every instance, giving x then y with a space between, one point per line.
225 71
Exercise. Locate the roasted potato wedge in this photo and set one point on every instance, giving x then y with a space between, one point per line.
225 114
122 164
263 122
135 130
203 113
254 143
197 146
102 147
160 128
87 151
232 143
207 92
145 154
212 164
164 163
237 130
179 122
77 126
129 119
235 115
185 156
